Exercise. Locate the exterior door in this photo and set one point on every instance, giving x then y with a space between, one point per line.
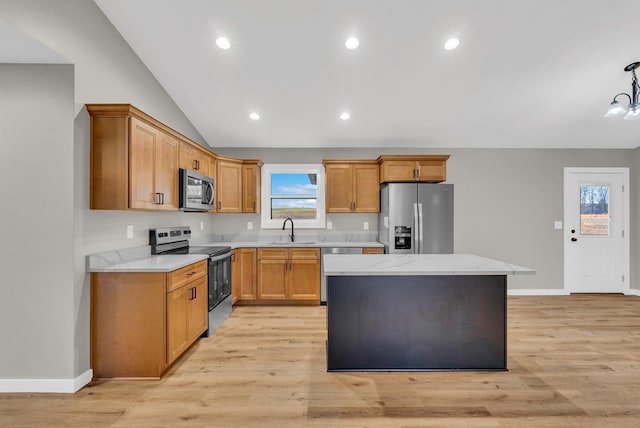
596 235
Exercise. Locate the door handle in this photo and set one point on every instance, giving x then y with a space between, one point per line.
574 239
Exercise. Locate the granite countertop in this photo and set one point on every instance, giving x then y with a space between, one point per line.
417 264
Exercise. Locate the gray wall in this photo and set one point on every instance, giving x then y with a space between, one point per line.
106 71
36 255
506 201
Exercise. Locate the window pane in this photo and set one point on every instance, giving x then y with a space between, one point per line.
594 210
296 208
293 184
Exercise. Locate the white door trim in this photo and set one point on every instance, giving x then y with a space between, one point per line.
626 207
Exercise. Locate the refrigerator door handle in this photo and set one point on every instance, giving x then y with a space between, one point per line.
416 228
421 224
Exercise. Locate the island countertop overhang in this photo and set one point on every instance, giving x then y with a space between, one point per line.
417 264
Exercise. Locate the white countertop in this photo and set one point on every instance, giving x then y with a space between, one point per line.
162 263
417 264
298 243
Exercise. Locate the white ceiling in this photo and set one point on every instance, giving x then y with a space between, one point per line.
528 73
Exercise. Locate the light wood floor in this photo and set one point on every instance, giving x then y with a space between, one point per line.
573 360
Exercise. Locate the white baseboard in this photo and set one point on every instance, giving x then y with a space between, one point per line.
538 292
46 385
632 292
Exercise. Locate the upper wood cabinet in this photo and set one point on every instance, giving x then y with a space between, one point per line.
229 185
408 168
153 168
196 159
135 160
352 186
251 186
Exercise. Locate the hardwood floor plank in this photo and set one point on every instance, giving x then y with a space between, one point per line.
574 361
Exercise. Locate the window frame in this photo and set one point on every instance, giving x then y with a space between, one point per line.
266 222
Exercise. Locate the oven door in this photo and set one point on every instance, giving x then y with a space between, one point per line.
219 279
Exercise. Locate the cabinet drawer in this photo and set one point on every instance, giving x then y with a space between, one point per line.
304 254
179 277
272 253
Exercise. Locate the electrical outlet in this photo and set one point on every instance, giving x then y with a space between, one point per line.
557 225
329 225
365 225
202 225
130 231
249 225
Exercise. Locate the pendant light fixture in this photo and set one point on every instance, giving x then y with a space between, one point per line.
632 111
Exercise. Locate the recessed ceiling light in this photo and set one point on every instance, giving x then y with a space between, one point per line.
254 116
352 43
451 44
345 116
223 43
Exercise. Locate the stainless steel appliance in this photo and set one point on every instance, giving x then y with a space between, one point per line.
323 279
175 240
196 191
416 218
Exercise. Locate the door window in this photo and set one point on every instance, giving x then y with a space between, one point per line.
594 210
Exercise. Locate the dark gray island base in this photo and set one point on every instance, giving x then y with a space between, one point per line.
416 322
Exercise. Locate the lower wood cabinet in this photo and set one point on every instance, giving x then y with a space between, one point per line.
288 276
141 322
243 274
373 250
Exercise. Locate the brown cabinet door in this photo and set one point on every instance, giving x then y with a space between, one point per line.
229 187
303 279
235 275
247 272
339 188
366 189
303 274
198 308
194 158
272 279
177 322
432 171
166 172
398 170
250 189
141 166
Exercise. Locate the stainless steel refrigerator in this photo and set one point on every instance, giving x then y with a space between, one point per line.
416 218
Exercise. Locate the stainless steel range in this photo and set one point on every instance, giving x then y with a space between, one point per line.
175 240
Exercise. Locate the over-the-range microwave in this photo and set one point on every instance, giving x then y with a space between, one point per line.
196 191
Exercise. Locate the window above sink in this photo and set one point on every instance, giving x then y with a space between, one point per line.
293 190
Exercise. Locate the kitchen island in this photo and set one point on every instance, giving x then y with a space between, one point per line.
417 312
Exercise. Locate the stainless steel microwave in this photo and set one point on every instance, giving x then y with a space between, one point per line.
196 191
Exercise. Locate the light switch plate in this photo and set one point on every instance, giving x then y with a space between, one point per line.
557 225
329 225
130 231
365 225
202 225
249 225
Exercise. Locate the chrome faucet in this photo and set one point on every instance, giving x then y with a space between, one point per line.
284 225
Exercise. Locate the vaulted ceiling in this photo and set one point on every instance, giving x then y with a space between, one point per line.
527 73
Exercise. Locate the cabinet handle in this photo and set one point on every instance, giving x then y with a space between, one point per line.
192 273
233 257
418 172
219 204
162 198
194 164
195 293
158 198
